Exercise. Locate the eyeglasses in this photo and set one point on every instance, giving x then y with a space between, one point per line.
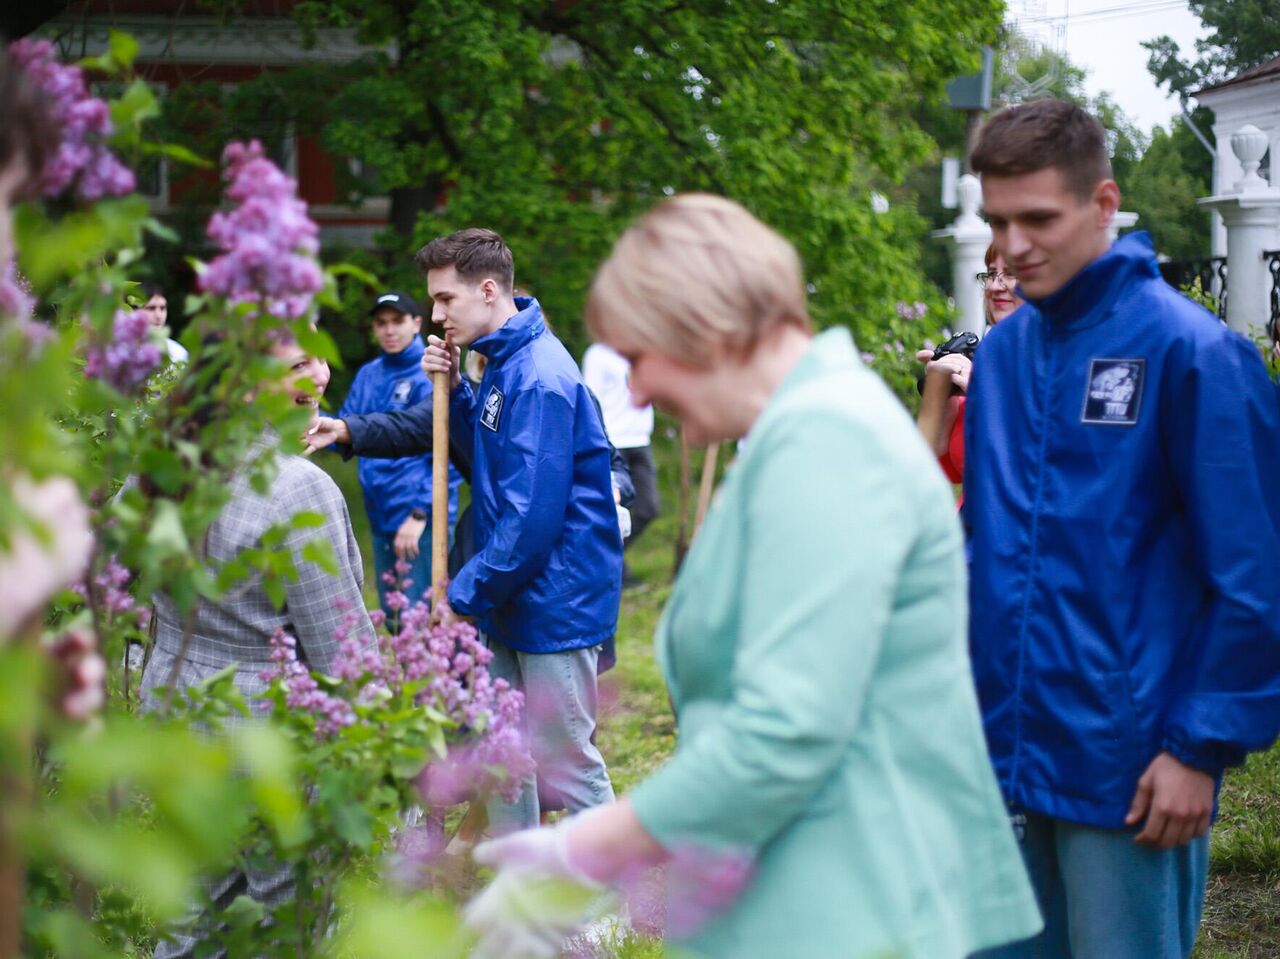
996 276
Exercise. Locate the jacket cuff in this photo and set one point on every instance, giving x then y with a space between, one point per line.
355 426
1210 758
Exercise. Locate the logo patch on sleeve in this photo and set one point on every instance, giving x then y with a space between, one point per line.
492 411
1113 395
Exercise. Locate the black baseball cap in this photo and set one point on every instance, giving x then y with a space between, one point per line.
396 300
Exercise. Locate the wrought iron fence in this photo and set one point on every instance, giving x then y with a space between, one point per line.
1211 271
1273 267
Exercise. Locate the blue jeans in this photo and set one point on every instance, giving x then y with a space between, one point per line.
1103 896
560 719
384 560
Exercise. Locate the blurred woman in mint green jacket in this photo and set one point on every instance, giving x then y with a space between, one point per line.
814 644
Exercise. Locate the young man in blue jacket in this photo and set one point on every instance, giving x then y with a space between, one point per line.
397 492
546 579
1121 489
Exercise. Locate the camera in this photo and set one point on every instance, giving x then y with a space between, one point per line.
963 343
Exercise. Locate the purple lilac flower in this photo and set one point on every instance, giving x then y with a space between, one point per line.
82 158
130 357
111 586
449 664
17 308
15 295
268 242
302 692
911 311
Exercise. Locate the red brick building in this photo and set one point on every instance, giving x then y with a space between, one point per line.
179 46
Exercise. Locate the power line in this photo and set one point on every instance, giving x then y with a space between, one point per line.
1108 13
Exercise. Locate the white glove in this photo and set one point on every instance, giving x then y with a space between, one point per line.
538 898
624 521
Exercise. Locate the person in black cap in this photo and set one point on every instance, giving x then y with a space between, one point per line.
397 492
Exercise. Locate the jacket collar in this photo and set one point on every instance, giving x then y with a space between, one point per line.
829 350
1087 298
407 358
515 334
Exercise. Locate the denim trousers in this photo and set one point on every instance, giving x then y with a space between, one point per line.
384 560
560 720
1103 896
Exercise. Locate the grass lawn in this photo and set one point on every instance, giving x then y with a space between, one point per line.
1242 909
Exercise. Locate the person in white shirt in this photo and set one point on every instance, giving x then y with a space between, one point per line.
156 306
630 429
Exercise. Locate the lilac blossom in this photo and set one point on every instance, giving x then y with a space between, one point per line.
129 358
17 309
111 592
447 667
15 295
911 311
302 692
268 242
82 157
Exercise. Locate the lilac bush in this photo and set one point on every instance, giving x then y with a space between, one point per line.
131 356
443 667
268 242
82 158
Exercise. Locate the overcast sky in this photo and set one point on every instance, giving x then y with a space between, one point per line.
1103 37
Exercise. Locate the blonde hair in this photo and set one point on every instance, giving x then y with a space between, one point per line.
695 275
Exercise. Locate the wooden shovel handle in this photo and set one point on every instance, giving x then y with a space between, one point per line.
440 384
933 405
706 486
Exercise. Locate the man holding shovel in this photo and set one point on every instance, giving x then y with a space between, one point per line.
546 580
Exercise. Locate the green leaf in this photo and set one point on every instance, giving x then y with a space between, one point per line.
122 47
243 911
177 152
308 519
352 822
317 342
162 232
166 535
65 933
355 272
270 761
320 551
135 106
380 924
273 586
164 468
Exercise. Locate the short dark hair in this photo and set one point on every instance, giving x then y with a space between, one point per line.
28 130
138 295
476 253
1044 133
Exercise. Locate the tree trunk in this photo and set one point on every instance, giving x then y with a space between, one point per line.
407 202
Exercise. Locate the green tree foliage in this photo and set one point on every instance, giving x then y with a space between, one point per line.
1025 70
1243 34
1163 187
557 122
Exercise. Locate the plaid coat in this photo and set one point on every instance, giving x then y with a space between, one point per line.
237 629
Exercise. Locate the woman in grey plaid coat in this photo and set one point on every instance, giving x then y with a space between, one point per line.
237 629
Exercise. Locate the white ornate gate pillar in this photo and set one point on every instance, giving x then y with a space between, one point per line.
1251 215
969 236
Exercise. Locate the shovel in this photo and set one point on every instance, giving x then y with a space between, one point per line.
440 484
933 405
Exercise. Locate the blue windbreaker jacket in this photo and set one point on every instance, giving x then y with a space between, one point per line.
393 487
1122 487
548 573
